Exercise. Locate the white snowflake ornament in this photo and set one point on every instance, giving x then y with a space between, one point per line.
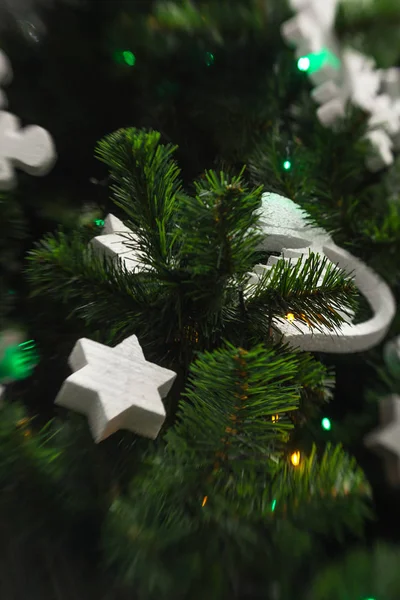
386 440
288 231
116 388
353 78
30 149
310 28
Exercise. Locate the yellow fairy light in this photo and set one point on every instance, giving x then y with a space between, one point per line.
290 317
275 418
295 458
204 501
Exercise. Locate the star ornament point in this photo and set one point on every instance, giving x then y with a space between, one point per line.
116 388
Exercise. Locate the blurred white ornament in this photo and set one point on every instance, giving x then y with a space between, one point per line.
30 149
288 231
116 388
382 155
353 78
311 27
386 439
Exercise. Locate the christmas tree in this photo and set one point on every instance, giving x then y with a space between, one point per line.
217 288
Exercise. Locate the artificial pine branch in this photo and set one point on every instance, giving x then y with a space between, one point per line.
222 475
68 271
313 290
218 232
333 482
146 185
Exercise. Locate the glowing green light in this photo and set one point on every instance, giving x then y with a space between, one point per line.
315 61
287 165
18 362
99 222
303 64
326 424
273 505
210 59
129 58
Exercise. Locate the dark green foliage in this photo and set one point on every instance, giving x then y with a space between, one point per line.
217 78
361 24
219 485
12 234
362 573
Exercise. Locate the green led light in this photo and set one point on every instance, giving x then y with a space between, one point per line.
129 58
273 505
326 424
303 64
287 165
210 59
315 61
99 223
18 361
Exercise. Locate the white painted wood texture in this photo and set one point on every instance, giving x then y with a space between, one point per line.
116 388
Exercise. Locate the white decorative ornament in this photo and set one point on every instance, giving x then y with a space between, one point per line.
113 242
350 77
287 231
116 388
386 440
30 149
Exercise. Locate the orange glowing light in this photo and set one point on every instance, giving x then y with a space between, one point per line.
295 458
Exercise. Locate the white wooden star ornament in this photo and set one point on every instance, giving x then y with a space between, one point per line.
116 241
288 231
351 77
386 439
116 388
30 149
